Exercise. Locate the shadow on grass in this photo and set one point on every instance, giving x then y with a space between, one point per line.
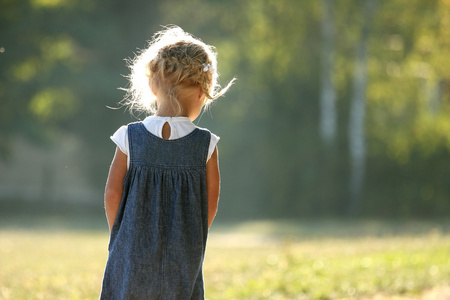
68 216
335 228
22 215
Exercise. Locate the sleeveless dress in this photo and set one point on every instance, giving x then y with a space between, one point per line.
158 240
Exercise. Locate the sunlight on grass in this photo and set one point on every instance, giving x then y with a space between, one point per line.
51 265
359 263
257 260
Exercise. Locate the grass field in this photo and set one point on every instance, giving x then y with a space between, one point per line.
55 258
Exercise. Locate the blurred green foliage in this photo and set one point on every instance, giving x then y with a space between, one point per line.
63 60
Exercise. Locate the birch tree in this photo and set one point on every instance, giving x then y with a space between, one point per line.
357 139
327 126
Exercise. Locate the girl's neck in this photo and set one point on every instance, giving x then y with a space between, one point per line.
165 112
169 111
190 100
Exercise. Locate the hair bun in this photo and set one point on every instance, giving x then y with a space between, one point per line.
172 60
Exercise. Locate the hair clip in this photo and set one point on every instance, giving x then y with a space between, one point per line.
208 67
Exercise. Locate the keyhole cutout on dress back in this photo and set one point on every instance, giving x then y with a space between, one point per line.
166 131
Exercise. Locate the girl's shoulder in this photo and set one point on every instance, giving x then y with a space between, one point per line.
213 136
212 143
120 137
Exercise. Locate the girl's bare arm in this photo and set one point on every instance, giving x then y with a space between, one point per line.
114 186
213 185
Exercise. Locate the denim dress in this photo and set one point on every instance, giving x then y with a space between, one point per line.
158 240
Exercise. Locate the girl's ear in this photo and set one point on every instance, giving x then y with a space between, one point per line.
152 88
201 94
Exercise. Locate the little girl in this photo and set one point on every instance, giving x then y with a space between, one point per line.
162 190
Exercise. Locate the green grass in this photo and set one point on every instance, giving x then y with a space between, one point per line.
60 259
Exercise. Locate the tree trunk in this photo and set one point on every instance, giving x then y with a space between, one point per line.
433 94
356 132
328 118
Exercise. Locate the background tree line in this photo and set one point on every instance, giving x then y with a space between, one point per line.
341 107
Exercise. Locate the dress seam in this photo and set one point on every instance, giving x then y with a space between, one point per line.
175 167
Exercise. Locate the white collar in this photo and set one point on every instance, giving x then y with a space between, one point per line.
167 119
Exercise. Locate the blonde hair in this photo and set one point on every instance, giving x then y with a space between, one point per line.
173 60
